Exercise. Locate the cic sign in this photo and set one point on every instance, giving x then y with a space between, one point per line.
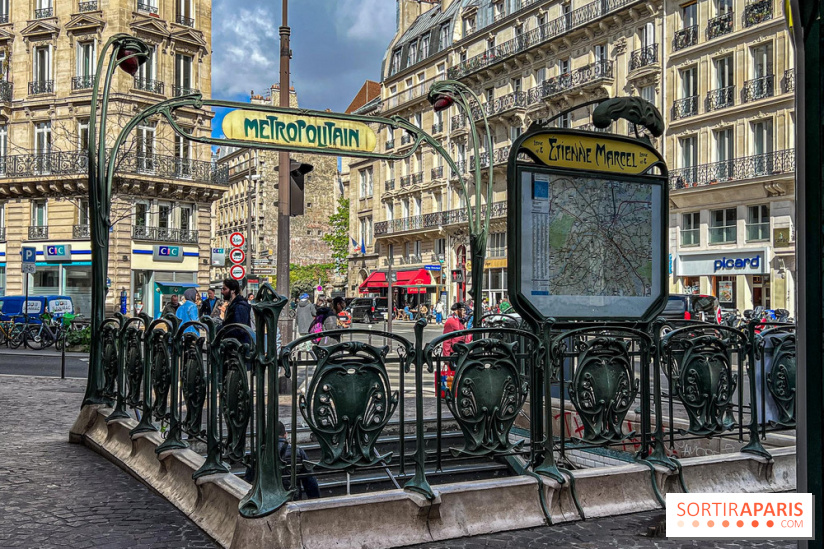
57 252
172 254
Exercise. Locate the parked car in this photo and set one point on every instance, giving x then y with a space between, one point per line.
692 307
368 309
55 305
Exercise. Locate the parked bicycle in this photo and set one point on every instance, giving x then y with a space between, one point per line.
12 331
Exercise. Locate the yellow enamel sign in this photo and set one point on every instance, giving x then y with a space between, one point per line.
302 130
583 152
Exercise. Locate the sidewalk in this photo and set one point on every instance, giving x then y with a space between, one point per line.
56 494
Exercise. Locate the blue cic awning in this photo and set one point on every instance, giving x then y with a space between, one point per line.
169 288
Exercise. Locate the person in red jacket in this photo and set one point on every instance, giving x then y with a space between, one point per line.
454 323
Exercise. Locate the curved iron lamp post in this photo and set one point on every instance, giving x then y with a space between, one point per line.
128 53
443 95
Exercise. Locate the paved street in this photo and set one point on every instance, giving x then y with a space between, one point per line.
56 494
42 363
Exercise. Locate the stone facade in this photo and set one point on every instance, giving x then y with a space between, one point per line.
163 187
321 194
730 147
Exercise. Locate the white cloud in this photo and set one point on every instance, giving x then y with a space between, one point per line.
366 19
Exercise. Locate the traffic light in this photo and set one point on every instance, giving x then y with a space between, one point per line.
296 173
457 276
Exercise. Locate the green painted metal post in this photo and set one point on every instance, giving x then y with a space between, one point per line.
212 465
146 425
418 483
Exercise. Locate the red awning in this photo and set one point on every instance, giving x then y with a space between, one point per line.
415 277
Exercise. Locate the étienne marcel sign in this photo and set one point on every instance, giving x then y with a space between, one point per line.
304 130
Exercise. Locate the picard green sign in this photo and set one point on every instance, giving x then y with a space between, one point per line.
299 130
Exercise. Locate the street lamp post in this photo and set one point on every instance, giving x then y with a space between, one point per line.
128 53
284 183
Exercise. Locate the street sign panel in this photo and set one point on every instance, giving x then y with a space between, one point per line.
237 272
218 257
237 255
237 239
29 268
29 254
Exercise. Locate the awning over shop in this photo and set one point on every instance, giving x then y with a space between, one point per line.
177 288
414 280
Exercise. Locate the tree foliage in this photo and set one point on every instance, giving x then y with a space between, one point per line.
338 238
305 278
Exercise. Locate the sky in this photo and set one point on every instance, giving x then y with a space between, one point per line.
336 46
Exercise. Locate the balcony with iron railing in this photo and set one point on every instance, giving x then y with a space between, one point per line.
148 8
180 91
390 144
685 38
437 172
720 98
149 85
419 90
562 83
38 232
737 169
561 25
6 91
411 179
725 234
437 128
719 26
758 88
389 185
757 12
82 82
457 122
643 57
164 234
434 220
84 7
41 87
76 163
80 232
756 232
42 13
683 108
185 21
788 82
690 237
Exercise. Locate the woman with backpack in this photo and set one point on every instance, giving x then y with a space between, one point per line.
326 320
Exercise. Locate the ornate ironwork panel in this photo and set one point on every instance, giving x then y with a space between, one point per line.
164 234
82 82
161 361
149 85
193 379
706 384
134 365
486 396
38 232
185 21
685 38
235 396
773 163
81 231
788 82
603 389
682 108
84 7
758 88
719 26
41 13
720 98
757 12
42 86
6 89
781 380
179 91
110 357
643 57
348 403
148 8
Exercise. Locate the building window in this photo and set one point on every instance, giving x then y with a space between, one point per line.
183 75
390 211
39 215
4 139
42 71
723 226
723 7
43 8
141 214
4 11
83 135
186 217
724 154
600 53
648 94
83 213
145 79
42 147
689 159
185 13
440 248
540 76
443 37
762 147
396 61
86 60
690 229
412 54
496 244
758 223
424 49
563 67
689 16
145 145
183 156
468 25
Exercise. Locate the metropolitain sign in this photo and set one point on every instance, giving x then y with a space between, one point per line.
299 130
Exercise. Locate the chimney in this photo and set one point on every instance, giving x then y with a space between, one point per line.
408 11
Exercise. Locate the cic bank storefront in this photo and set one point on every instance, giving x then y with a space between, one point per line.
740 279
157 273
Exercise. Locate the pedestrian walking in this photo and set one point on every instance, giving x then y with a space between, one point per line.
238 311
453 324
305 312
439 313
187 310
210 303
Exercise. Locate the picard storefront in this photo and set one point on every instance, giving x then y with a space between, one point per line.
739 279
158 272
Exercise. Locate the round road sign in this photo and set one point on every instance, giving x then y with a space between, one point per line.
237 255
237 239
237 272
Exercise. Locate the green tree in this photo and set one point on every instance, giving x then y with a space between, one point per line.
305 278
338 238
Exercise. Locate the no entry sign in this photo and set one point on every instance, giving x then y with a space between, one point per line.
237 255
237 239
237 272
